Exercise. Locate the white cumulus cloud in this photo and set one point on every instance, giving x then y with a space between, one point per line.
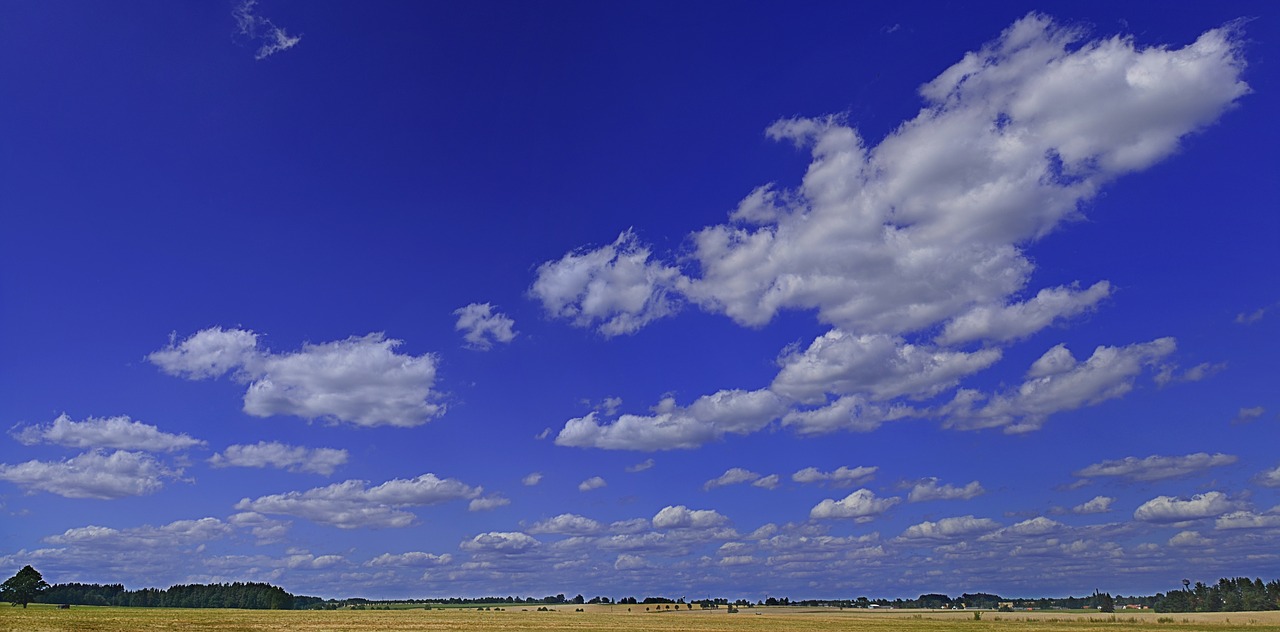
1097 504
501 542
281 456
411 558
353 504
1247 520
1172 509
120 432
595 482
929 225
1057 383
1269 478
842 475
616 288
482 327
929 489
1003 323
681 517
360 380
861 505
672 427
94 474
567 524
878 365
732 476
947 528
488 503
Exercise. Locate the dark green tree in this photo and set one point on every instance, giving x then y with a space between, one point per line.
24 587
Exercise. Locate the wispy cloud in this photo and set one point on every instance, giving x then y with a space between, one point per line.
1249 318
1156 467
260 31
1246 415
641 466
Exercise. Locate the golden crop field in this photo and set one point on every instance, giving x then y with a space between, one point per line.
44 618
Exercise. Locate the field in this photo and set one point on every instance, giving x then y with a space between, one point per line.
41 618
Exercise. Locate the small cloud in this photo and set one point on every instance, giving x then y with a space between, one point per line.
595 482
732 476
483 327
355 504
1246 520
862 505
361 380
121 433
949 528
567 524
500 542
610 406
409 559
1247 415
1098 504
1188 538
1156 467
628 562
1269 478
546 432
641 466
681 517
839 477
488 503
1250 318
532 479
280 456
1170 509
768 482
1169 375
257 29
929 489
94 474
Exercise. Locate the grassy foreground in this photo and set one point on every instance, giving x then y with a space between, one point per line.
41 618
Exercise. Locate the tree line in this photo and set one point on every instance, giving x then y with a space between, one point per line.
1228 595
27 586
253 596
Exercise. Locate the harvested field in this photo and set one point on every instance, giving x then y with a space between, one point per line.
42 618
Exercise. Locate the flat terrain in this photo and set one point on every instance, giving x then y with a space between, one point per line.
40 618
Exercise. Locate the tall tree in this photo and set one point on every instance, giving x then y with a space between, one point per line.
24 587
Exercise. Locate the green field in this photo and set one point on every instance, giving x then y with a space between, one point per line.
39 618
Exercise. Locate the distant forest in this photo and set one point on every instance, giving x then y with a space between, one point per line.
1228 595
238 595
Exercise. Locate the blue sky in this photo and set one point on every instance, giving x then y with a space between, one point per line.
630 299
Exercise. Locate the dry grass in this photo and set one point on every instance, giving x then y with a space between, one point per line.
615 619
